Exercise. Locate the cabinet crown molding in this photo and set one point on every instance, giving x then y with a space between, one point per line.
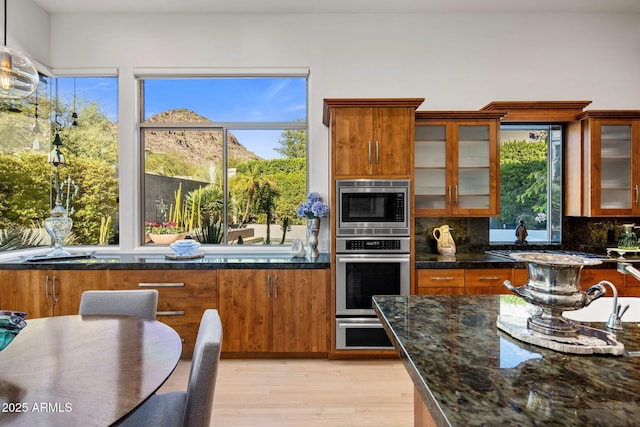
330 103
538 111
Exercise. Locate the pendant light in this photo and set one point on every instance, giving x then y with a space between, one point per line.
74 115
36 127
18 76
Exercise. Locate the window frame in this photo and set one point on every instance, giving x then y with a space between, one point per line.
225 127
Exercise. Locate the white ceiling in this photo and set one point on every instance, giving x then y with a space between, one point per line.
335 6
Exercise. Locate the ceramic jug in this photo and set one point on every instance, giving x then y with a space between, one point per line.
446 245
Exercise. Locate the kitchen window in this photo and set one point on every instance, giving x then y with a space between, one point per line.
224 157
83 111
530 183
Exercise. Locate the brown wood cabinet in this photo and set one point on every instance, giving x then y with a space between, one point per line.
457 169
183 296
274 311
440 281
44 293
603 164
371 137
472 281
483 281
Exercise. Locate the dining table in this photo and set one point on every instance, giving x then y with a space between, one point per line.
83 370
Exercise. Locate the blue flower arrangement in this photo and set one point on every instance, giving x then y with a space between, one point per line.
314 207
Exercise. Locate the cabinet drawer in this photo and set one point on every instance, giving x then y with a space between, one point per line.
184 315
169 283
487 277
440 278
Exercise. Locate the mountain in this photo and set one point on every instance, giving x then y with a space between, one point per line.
197 146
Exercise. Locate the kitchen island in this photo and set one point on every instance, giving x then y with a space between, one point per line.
466 372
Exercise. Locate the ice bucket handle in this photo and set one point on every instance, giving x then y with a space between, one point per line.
521 291
597 291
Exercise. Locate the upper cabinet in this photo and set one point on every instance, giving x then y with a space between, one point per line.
602 164
371 137
457 163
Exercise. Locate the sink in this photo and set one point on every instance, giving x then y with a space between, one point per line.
600 310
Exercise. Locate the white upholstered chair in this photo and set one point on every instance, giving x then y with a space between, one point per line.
141 303
192 407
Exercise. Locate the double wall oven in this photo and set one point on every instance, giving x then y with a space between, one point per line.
372 257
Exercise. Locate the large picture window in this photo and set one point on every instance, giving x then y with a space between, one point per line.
80 114
224 158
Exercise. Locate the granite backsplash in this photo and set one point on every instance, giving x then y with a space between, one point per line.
472 234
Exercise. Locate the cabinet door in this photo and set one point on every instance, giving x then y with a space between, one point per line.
487 280
432 170
300 311
592 276
614 173
440 281
68 286
456 168
244 299
353 145
392 145
26 290
475 179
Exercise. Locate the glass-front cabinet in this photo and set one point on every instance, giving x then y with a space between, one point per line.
456 163
603 164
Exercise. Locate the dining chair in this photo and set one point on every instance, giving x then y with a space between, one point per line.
139 302
192 407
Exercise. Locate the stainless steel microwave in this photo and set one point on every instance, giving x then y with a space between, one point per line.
372 207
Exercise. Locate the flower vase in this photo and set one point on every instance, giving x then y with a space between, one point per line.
313 227
58 225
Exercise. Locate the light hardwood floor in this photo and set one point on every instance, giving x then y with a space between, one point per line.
307 393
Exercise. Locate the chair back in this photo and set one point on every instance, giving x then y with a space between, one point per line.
204 370
139 302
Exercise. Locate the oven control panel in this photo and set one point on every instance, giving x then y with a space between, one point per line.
373 245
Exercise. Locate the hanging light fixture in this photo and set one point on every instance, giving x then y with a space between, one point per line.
74 115
36 127
18 76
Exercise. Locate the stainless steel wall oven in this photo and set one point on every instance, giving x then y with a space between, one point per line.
367 266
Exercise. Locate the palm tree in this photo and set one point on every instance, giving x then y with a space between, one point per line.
251 180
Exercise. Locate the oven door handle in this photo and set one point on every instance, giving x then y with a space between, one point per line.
373 323
370 258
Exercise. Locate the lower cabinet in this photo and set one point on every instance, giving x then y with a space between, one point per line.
183 296
440 281
486 281
44 293
273 311
472 281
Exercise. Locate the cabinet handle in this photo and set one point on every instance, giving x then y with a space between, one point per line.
441 279
487 279
377 152
636 191
161 285
268 286
456 194
170 313
46 287
275 286
369 152
450 199
55 292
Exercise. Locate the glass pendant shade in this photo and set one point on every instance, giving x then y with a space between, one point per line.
18 77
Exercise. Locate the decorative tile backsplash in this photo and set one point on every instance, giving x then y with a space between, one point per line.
472 234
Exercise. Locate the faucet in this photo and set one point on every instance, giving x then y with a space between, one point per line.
616 313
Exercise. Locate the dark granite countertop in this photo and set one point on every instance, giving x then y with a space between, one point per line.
469 373
157 261
462 260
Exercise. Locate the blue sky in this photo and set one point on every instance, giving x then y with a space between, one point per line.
220 100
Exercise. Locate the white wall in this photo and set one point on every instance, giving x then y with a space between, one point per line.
455 61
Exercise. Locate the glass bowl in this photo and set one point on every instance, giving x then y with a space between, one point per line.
184 247
11 323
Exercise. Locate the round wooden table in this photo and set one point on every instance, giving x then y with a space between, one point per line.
83 370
